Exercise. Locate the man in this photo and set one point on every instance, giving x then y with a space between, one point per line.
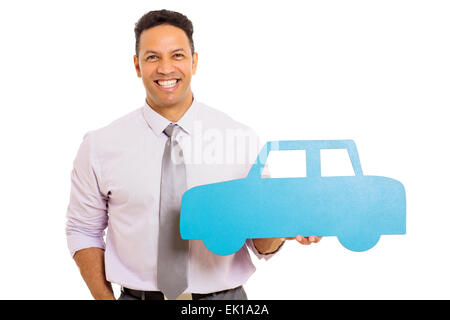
129 176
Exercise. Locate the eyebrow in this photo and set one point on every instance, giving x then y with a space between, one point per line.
151 51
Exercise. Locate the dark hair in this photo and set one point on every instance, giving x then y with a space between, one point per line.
159 17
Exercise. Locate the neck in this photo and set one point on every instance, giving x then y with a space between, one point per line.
172 113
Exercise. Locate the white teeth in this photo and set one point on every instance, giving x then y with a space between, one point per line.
167 84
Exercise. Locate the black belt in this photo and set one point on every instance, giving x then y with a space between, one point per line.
158 295
144 295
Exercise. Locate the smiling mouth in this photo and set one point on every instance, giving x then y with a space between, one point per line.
167 84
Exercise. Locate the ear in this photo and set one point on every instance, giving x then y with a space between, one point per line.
194 62
137 66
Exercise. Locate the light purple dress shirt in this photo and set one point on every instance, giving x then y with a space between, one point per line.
116 185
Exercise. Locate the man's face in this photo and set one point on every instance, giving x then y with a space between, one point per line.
166 66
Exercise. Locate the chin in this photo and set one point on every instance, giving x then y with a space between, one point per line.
166 102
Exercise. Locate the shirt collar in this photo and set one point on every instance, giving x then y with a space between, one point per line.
158 123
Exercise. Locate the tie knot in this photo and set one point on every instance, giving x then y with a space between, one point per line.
172 130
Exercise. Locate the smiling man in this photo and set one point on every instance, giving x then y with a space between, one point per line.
126 180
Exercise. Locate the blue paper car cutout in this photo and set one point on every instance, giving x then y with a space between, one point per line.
357 209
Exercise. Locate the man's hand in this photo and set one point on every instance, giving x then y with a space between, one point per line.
270 245
306 240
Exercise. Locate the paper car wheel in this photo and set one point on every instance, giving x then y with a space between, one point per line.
358 242
225 246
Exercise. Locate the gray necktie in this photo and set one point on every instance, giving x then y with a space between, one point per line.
172 250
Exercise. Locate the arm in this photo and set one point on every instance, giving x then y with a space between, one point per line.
86 221
268 245
91 263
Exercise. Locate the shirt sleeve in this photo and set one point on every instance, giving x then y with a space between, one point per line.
87 211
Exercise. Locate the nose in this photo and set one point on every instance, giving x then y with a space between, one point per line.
165 66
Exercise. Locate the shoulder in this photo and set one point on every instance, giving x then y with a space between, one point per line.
126 122
117 132
227 134
214 118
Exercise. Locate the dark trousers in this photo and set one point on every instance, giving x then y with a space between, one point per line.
231 294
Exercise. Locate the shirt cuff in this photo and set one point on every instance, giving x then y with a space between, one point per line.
78 242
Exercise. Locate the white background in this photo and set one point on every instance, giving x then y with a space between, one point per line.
377 72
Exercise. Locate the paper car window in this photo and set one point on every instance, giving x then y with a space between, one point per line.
285 164
335 162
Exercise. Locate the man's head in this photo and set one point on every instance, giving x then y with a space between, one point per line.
165 58
156 18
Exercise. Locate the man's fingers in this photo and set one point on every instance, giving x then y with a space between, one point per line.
315 239
303 240
308 240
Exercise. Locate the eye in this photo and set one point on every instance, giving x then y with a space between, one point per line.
152 57
178 55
